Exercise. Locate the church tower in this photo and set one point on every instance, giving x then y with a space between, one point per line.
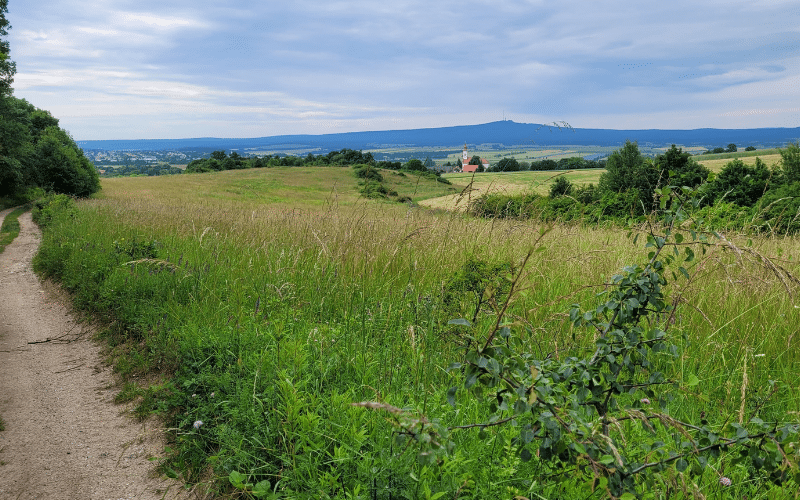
464 155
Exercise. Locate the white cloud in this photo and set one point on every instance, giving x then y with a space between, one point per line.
315 66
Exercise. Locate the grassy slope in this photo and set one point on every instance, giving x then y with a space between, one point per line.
293 297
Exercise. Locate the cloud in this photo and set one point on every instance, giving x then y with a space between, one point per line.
234 68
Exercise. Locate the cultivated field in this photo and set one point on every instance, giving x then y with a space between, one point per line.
262 303
716 164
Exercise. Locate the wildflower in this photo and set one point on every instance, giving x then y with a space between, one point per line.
194 395
212 394
644 401
724 481
198 424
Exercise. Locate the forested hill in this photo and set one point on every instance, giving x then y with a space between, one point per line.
505 133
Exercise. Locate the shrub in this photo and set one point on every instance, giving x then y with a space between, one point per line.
560 187
373 189
52 205
367 172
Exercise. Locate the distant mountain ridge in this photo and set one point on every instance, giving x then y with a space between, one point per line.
501 133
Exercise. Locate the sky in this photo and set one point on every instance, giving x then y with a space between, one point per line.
135 69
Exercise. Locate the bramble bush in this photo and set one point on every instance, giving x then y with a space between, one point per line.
598 420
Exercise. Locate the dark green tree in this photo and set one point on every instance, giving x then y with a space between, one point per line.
475 160
508 165
415 164
731 148
790 162
628 170
679 168
61 165
750 148
7 67
740 183
560 187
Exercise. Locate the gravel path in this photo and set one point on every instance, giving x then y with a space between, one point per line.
64 437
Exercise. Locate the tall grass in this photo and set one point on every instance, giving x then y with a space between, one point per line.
259 321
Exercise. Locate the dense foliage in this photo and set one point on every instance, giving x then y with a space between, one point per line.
600 414
220 160
34 151
740 196
265 325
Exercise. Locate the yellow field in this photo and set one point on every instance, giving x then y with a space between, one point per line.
507 183
717 164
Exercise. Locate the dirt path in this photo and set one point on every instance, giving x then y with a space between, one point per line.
64 437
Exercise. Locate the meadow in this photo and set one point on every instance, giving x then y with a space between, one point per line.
251 309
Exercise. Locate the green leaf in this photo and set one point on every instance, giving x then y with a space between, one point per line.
451 396
459 321
692 380
237 479
262 489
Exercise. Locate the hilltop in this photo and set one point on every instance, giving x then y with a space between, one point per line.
498 134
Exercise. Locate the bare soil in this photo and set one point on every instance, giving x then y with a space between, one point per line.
64 437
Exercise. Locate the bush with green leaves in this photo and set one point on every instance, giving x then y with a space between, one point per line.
477 284
739 183
560 187
597 419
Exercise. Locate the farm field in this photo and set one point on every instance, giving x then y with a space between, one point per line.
252 308
506 183
715 165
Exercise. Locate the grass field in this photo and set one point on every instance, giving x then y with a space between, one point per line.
262 303
716 164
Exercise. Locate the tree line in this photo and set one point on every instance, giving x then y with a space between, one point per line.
220 160
35 153
740 195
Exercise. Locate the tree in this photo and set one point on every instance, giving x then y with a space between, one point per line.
560 187
415 164
61 165
790 162
740 183
731 148
626 170
7 67
475 160
750 148
680 168
508 165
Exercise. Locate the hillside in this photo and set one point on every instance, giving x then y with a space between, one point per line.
499 134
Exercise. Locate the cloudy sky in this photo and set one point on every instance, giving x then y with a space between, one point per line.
130 69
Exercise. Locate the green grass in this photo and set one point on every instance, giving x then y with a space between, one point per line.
10 228
738 154
8 231
269 301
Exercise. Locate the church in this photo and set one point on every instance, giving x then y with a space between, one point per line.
465 167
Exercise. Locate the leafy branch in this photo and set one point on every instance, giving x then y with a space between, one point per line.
575 413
